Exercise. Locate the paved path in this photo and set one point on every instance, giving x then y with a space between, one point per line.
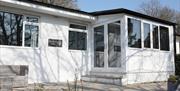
87 86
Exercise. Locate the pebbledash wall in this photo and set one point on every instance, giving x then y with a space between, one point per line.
59 64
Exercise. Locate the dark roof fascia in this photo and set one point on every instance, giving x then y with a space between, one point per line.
56 7
121 10
105 12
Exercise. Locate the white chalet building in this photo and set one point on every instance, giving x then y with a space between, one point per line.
116 46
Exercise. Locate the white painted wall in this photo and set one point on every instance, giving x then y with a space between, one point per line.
48 64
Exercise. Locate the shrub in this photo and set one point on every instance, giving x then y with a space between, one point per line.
173 78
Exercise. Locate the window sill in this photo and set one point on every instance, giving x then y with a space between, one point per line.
148 49
71 50
19 47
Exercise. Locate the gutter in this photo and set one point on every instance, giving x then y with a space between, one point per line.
47 10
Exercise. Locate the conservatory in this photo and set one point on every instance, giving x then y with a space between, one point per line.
117 46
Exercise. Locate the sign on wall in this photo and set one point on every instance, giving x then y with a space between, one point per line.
54 43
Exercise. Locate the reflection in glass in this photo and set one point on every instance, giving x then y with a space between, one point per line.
114 44
31 36
155 37
147 35
134 33
164 38
99 46
11 26
77 40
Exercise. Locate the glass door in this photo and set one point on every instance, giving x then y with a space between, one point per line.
107 45
114 44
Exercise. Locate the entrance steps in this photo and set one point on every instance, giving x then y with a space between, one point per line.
105 78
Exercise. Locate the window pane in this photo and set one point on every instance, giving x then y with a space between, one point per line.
114 44
99 46
155 37
78 26
164 38
11 26
99 38
77 40
72 40
81 41
147 35
31 36
134 33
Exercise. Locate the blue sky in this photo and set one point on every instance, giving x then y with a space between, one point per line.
96 5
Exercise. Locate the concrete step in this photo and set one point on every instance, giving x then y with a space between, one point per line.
20 81
107 74
102 79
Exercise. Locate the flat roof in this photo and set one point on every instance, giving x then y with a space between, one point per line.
126 11
104 12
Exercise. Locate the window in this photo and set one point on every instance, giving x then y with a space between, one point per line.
134 33
99 38
114 44
31 36
99 46
147 35
155 37
31 32
164 38
11 30
11 27
77 40
75 26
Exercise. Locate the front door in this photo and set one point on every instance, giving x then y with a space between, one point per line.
107 46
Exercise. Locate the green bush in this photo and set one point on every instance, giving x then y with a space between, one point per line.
177 63
173 78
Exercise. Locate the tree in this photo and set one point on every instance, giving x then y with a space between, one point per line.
155 9
65 3
178 22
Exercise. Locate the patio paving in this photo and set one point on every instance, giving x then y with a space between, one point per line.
88 86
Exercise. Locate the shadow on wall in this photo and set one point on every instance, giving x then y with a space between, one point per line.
42 66
160 70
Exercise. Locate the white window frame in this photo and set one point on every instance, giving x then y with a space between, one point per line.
106 68
142 33
25 22
142 43
23 30
78 30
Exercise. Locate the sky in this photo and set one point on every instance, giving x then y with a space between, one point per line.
97 5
